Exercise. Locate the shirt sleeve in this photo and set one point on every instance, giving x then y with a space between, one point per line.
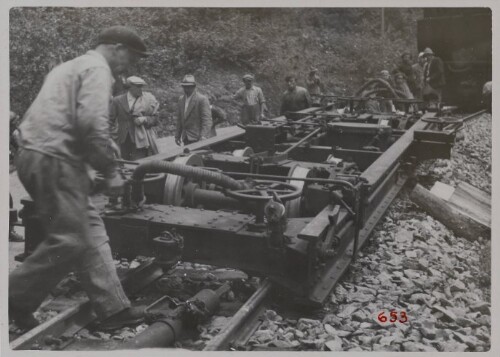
206 118
307 98
113 121
92 118
178 128
238 94
152 115
260 96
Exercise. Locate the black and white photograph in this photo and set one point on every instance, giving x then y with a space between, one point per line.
243 178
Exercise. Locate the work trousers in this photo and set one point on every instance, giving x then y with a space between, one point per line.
74 238
130 152
432 94
250 114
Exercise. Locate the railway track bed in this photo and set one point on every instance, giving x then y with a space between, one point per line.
413 267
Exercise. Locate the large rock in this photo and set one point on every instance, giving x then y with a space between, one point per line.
428 330
457 285
348 311
411 346
335 344
452 346
447 314
482 307
470 341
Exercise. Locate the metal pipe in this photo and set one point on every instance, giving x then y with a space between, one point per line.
291 122
301 141
165 331
306 179
238 320
214 200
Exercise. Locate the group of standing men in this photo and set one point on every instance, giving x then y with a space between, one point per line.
424 79
197 118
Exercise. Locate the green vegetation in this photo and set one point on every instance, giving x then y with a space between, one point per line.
218 46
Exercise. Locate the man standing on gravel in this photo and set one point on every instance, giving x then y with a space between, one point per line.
65 129
254 103
434 79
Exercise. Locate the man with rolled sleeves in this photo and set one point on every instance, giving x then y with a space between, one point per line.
64 130
194 118
254 103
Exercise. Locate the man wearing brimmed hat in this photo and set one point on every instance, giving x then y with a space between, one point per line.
65 129
254 103
194 119
134 114
434 79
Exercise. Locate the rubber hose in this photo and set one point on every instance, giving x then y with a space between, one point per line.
377 80
193 172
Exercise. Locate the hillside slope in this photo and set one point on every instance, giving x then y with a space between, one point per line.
217 46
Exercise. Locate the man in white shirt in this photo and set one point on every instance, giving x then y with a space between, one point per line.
254 103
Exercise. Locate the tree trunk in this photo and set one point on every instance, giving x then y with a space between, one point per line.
460 224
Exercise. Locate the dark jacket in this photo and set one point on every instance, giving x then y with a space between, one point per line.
293 101
407 70
434 72
122 121
196 122
218 117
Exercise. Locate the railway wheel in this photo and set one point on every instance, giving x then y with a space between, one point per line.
293 207
173 193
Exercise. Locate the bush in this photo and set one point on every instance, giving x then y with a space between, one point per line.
218 46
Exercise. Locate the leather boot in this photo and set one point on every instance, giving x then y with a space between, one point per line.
130 316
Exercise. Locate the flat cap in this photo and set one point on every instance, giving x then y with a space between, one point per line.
136 81
248 77
124 35
188 80
421 54
428 51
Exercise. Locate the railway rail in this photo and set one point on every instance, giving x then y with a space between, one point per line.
287 202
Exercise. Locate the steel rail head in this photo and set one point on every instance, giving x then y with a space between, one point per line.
229 332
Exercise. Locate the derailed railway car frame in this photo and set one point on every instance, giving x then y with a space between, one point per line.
293 199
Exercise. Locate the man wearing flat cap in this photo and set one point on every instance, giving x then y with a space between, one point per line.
133 116
434 79
194 118
254 103
65 129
